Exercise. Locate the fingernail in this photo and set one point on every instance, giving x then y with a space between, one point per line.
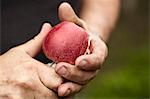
67 92
62 70
83 63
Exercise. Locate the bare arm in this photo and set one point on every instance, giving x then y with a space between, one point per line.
100 15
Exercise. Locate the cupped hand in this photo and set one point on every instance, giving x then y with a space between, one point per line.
86 66
22 77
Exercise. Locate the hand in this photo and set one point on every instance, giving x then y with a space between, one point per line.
22 77
86 66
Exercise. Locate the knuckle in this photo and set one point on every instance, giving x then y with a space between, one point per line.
70 72
24 85
100 59
74 73
29 65
97 61
26 81
55 82
88 77
58 83
55 86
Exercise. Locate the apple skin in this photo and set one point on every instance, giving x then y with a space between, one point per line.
65 42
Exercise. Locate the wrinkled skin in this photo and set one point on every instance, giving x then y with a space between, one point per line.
22 77
18 68
86 66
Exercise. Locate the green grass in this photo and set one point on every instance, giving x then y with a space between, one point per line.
127 80
125 75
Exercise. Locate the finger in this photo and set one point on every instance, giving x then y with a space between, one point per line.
94 60
33 46
44 95
66 13
43 92
68 88
98 46
29 81
73 73
44 89
48 76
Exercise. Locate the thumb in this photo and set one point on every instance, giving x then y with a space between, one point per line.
33 46
66 13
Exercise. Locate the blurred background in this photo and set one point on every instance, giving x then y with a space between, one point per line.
126 71
124 74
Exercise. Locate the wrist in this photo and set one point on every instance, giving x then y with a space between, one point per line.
101 28
99 32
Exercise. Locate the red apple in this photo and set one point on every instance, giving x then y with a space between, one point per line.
65 42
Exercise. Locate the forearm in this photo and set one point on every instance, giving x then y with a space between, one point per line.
100 15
